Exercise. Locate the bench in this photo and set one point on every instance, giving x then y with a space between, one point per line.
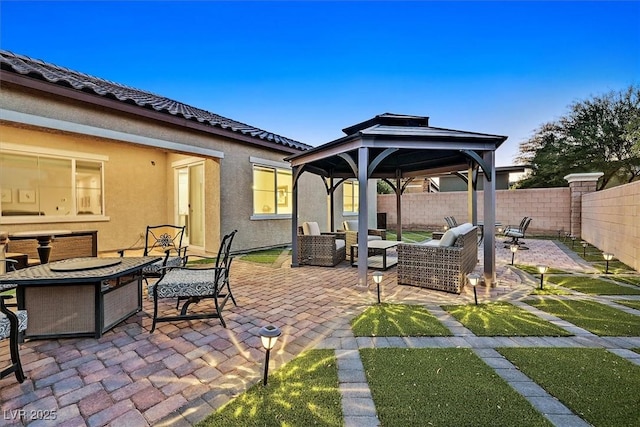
440 264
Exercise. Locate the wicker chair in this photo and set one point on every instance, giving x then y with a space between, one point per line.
196 284
12 323
321 249
440 264
350 229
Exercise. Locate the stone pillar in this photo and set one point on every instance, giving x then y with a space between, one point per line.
579 184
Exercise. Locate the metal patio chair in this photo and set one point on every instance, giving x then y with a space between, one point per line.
163 240
12 323
194 284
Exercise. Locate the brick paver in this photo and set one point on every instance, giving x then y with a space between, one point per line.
185 370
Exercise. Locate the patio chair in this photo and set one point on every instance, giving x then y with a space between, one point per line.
451 222
12 323
517 233
321 249
350 228
163 240
196 284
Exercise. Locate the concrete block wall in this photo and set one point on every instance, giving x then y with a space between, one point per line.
610 222
549 208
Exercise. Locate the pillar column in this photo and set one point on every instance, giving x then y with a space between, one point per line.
579 184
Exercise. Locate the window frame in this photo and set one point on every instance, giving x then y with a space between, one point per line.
355 195
276 168
74 157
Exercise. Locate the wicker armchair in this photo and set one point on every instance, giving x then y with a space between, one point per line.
350 229
437 266
321 249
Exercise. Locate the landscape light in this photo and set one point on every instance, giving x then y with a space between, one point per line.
474 279
269 335
377 278
542 269
608 257
514 249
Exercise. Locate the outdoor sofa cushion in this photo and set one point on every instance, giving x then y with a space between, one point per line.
449 238
310 228
351 225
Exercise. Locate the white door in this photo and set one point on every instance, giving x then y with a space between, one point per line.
190 191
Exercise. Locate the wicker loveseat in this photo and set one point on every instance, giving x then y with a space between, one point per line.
321 249
440 264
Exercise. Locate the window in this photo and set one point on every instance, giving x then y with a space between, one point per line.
350 196
272 188
38 185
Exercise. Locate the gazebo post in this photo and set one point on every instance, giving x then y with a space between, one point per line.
489 186
398 208
294 218
363 215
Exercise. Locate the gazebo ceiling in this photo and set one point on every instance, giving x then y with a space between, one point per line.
408 146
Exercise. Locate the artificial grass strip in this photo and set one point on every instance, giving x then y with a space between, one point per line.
597 318
630 303
397 320
597 385
502 319
533 269
629 280
267 256
591 285
442 387
304 392
410 236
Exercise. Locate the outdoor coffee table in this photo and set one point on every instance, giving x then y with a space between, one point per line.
379 259
79 296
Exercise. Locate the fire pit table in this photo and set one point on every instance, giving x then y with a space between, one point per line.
79 296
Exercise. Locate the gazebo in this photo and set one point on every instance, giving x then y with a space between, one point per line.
393 147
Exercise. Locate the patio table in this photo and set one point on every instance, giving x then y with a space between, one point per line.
79 296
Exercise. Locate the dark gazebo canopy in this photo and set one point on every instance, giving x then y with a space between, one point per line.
392 147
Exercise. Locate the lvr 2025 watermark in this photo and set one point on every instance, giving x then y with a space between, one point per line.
30 415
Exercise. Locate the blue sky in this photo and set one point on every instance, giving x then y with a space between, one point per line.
306 70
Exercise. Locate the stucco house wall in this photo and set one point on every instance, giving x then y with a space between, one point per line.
139 177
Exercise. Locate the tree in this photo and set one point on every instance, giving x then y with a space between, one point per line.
597 135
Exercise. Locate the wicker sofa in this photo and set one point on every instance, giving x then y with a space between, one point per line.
321 249
440 264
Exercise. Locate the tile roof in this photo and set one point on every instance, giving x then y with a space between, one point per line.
42 70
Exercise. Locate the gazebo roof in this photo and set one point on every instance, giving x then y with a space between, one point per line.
410 146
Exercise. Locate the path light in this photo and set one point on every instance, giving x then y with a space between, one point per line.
474 279
514 249
377 278
573 240
542 269
269 335
584 249
608 257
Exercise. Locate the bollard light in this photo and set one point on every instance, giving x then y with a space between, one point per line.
514 249
474 279
584 249
269 335
377 278
542 269
607 257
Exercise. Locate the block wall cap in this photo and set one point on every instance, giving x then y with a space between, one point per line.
593 176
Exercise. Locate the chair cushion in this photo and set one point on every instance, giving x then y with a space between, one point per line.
432 242
311 229
370 238
185 283
351 225
5 326
156 267
448 238
340 244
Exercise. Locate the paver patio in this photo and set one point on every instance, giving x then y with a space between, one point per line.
185 370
